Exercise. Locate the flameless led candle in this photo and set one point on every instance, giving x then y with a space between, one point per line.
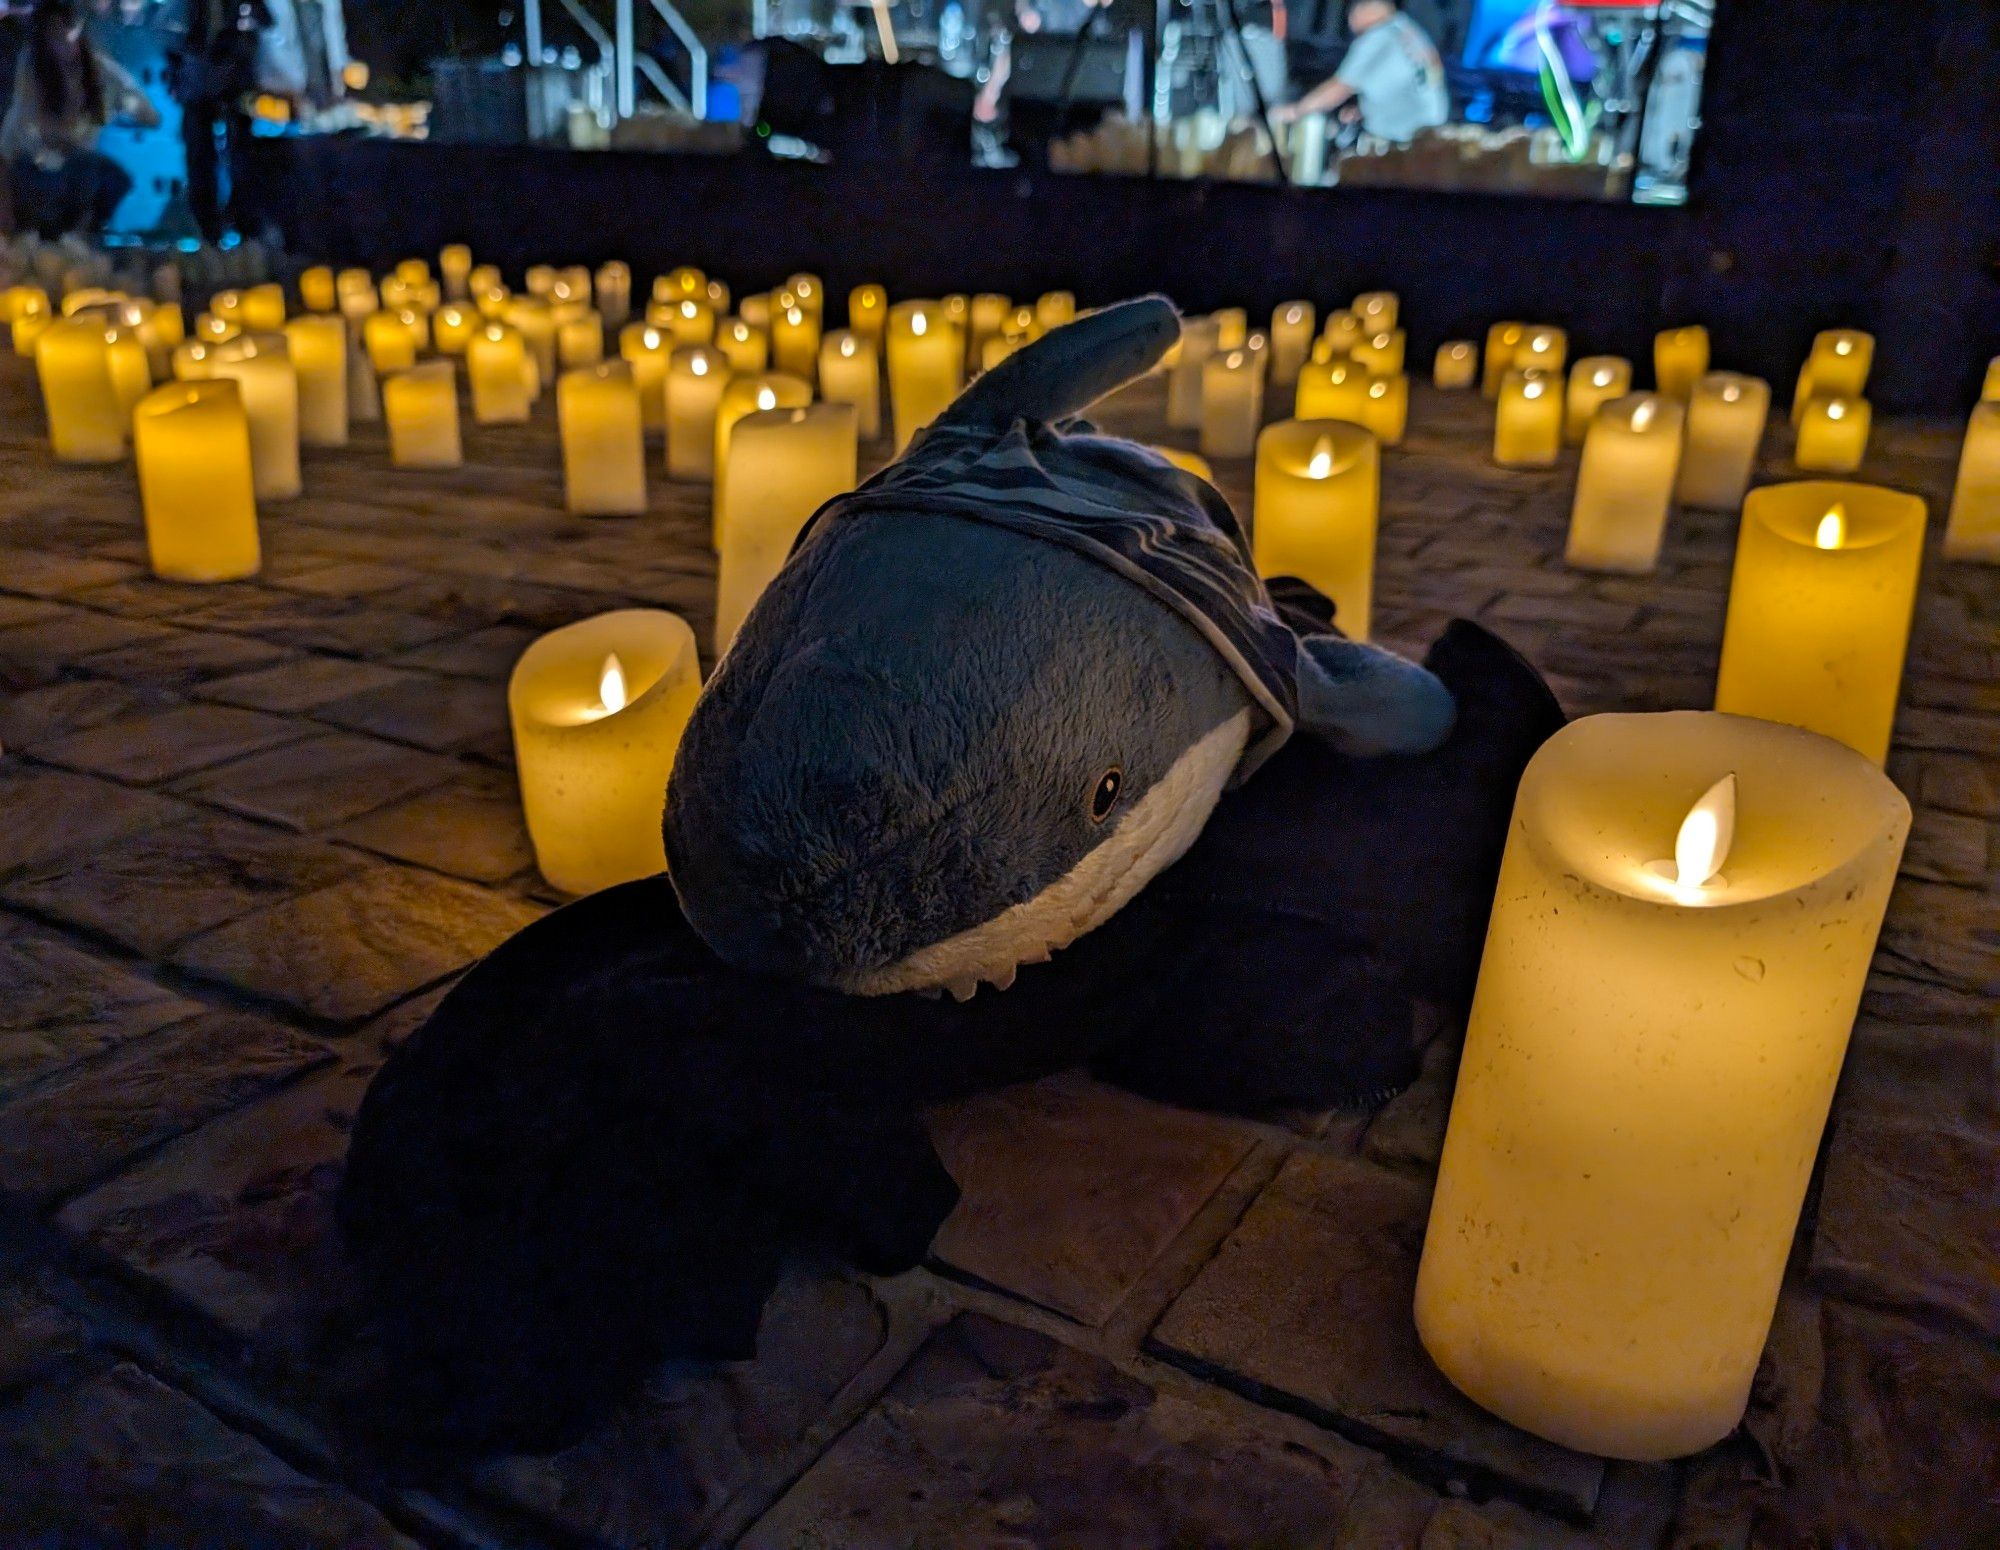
131 373
190 361
413 271
693 388
1973 530
1189 461
1541 349
1053 309
997 349
868 311
496 362
756 311
540 279
1528 423
87 422
1594 380
263 374
747 349
492 302
807 293
455 265
1502 339
1839 363
421 408
390 342
1379 354
191 442
1833 435
1376 310
784 465
646 350
1819 609
533 319
989 315
1385 408
1317 494
452 326
689 321
1232 328
1199 340
32 317
850 374
364 389
676 283
1725 426
603 440
926 366
1989 391
1332 390
745 396
598 709
213 330
1232 403
317 345
1684 920
614 293
1625 484
358 297
580 340
795 341
316 290
264 309
226 305
1292 324
1457 365
1342 333
1680 359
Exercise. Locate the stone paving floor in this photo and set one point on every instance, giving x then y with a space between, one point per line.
249 832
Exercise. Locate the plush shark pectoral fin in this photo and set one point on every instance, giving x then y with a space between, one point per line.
1069 368
1363 700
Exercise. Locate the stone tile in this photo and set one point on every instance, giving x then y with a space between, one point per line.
38 1336
1307 1305
58 575
298 685
489 653
41 715
343 578
184 658
1907 1218
48 815
471 828
25 610
236 1220
322 780
62 1005
1952 934
68 638
347 951
1001 1436
1947 847
160 887
373 633
158 745
656 1474
1072 1189
65 1135
435 713
121 1459
1904 1454
1962 785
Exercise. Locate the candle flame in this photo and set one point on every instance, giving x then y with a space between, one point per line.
766 399
1531 389
1380 341
1836 410
687 309
847 345
1235 360
652 338
1539 343
1832 530
918 323
1459 352
698 364
1642 415
1731 393
1293 314
1841 347
611 685
1378 390
1322 459
739 331
794 317
1706 833
1602 377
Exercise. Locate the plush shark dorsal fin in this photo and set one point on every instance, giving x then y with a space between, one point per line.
1363 700
1069 368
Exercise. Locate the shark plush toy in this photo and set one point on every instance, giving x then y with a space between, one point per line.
1017 765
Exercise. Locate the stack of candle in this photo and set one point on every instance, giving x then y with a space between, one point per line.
745 396
1837 367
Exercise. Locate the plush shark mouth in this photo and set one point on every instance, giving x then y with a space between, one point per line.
1152 836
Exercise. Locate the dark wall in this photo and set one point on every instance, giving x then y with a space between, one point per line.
1847 174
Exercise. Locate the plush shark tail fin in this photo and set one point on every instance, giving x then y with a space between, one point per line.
1070 368
1360 699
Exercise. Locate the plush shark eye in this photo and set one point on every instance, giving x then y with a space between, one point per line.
1104 795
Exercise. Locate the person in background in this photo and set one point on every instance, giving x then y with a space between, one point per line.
1392 77
65 92
213 72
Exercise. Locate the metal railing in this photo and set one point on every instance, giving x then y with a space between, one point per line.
618 49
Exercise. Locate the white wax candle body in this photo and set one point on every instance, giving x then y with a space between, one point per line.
86 419
1820 601
1833 435
1647 1072
1317 499
593 783
1457 365
603 441
421 408
191 442
1198 343
1594 381
496 362
850 372
1232 404
1725 427
270 388
694 386
1625 485
1292 325
318 349
1528 422
926 366
1973 530
784 464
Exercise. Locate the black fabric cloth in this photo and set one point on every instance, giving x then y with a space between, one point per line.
605 1144
216 137
77 194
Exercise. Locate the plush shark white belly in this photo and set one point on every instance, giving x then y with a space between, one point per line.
1152 837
